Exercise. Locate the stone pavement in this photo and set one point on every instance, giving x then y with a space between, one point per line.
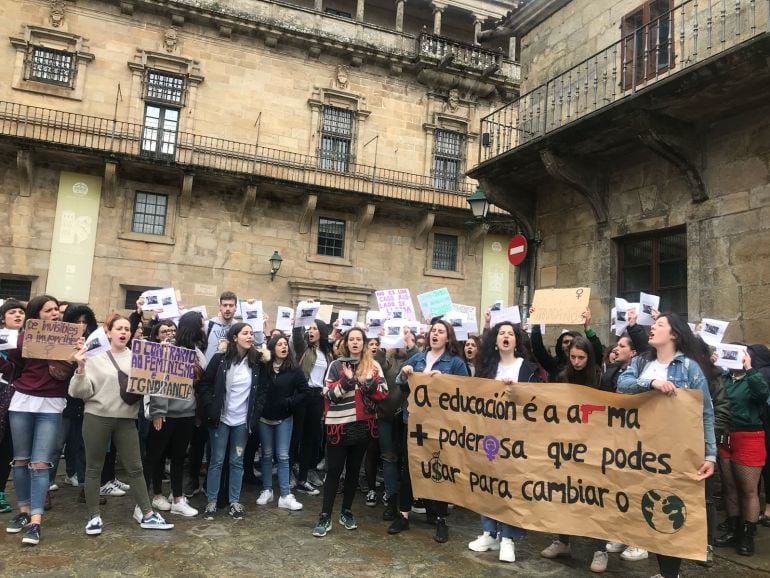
273 542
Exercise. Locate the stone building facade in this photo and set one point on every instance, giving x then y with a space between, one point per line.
154 143
637 154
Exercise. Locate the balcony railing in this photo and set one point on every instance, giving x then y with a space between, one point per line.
692 32
467 55
94 134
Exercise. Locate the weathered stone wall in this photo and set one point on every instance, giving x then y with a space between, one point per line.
728 236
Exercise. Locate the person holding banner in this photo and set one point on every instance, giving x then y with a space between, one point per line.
354 385
285 388
671 364
12 314
35 414
232 403
314 354
743 455
107 415
501 357
171 426
443 355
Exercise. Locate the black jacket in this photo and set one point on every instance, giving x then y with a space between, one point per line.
638 335
212 392
556 365
609 378
283 392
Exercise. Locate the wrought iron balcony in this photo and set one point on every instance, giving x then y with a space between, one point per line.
691 33
470 56
89 134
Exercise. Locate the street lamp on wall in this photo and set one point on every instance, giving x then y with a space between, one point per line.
275 264
479 204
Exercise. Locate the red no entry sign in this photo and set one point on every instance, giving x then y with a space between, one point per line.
517 250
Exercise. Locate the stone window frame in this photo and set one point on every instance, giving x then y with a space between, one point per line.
447 122
459 272
333 97
13 277
126 229
46 38
346 259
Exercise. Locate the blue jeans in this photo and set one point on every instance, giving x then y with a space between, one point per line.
35 436
506 530
389 454
276 439
218 438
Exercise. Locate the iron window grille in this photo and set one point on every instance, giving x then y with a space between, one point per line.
19 289
165 88
444 252
331 237
336 138
648 42
150 211
448 159
655 264
51 66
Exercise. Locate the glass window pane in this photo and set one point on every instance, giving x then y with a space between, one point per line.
444 252
150 215
331 237
637 252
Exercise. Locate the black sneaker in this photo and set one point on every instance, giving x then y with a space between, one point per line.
236 511
347 520
371 498
442 532
18 523
211 511
399 524
31 535
324 526
307 488
389 514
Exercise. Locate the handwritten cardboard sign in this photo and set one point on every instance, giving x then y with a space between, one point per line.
553 306
562 458
391 301
162 370
53 340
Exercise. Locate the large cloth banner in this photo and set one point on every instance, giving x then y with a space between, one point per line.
563 458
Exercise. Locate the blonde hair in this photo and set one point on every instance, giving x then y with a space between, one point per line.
366 363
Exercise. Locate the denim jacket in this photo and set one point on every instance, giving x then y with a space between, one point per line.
447 363
684 373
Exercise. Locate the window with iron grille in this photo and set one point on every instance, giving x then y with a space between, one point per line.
444 252
331 237
164 87
51 66
19 289
336 138
149 213
655 264
648 42
448 159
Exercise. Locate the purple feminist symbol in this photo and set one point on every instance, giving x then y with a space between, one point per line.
491 447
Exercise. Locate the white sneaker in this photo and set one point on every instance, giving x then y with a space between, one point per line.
556 549
53 487
599 563
138 515
615 547
161 503
633 554
123 486
265 497
289 502
111 489
72 481
507 551
484 542
183 508
94 526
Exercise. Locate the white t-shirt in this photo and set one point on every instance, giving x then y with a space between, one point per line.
33 404
509 371
655 370
238 396
318 372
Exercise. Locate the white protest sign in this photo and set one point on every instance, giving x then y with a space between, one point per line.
391 300
712 331
325 313
283 319
96 343
646 304
8 339
471 320
306 313
347 319
620 315
253 315
457 321
164 301
394 335
509 314
730 356
375 321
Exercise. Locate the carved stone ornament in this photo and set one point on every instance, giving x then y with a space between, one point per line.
453 100
56 13
341 78
170 39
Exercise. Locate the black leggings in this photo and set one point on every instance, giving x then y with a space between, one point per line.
175 435
371 463
6 455
309 434
405 497
669 566
337 458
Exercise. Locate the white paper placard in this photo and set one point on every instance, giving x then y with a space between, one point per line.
730 356
9 339
347 319
164 301
712 331
306 313
510 314
375 320
325 313
390 300
394 335
253 315
283 319
647 303
458 322
96 343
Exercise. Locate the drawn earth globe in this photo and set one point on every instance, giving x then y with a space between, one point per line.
665 513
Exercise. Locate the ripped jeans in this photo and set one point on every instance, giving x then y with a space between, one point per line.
34 441
218 438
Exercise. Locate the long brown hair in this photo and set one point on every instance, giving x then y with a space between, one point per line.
451 347
366 363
